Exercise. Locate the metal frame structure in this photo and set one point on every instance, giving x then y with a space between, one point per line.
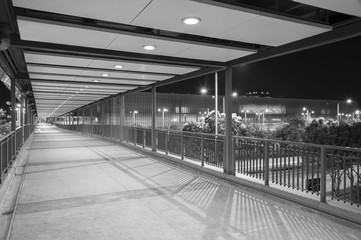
33 58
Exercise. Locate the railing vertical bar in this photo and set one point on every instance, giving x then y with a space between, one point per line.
266 164
166 140
358 181
293 169
307 172
289 167
202 150
298 168
344 179
182 153
323 176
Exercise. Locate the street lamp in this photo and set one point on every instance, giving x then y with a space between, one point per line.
306 114
163 111
357 112
134 112
245 114
349 101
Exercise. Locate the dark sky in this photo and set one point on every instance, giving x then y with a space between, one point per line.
331 72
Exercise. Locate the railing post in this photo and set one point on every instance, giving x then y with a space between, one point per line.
144 137
182 153
266 164
166 143
202 150
323 176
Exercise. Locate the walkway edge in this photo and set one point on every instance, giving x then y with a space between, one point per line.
10 189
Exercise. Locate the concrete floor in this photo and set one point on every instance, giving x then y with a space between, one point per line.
79 187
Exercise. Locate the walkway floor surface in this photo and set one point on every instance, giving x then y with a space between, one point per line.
80 187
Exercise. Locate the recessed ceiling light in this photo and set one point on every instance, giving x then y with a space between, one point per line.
96 80
76 92
149 47
105 75
86 86
81 89
191 20
118 66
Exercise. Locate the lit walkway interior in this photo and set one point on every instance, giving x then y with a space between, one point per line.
79 187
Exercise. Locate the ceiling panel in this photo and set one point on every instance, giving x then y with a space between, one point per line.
173 48
268 30
88 80
351 7
56 60
45 32
214 20
143 67
54 70
122 11
121 74
40 58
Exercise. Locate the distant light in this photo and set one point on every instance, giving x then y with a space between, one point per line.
149 47
191 20
118 66
304 109
203 90
159 110
96 80
165 110
234 94
105 75
349 100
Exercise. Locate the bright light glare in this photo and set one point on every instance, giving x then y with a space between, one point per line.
349 101
234 94
191 20
203 90
149 47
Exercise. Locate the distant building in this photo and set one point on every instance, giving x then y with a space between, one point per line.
177 109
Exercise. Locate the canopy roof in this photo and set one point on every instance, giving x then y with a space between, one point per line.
70 53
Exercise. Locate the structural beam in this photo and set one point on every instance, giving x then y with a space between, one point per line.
229 166
13 105
106 53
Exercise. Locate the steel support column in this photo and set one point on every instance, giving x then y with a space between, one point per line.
228 166
13 105
154 111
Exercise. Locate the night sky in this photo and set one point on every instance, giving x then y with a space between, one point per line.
331 72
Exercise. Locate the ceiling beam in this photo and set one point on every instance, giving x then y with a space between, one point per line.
107 54
36 80
30 64
80 93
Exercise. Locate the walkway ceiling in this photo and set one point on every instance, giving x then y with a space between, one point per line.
70 53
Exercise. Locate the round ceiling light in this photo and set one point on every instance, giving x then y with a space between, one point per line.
149 47
96 80
105 75
191 20
118 66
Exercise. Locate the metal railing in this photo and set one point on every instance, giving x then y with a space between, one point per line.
10 146
327 171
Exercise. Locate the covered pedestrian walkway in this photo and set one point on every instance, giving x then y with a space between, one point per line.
81 187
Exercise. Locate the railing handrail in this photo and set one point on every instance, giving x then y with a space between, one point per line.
301 143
